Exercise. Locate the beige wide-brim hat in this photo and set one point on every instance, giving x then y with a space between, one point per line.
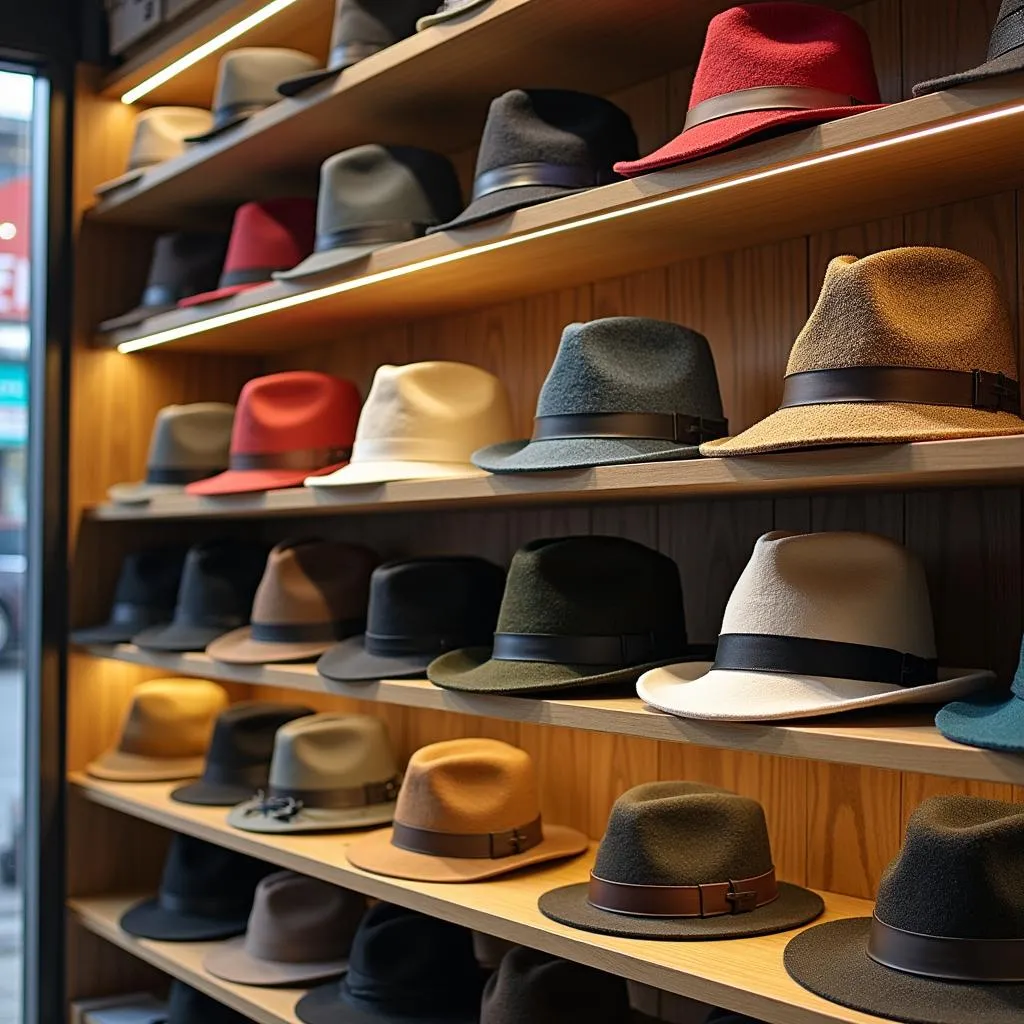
370 473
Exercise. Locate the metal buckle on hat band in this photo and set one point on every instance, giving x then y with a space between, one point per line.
679 427
469 846
536 172
774 97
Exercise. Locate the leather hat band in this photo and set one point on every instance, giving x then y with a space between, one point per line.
394 646
304 632
341 797
304 459
977 389
675 426
625 649
739 896
246 275
934 956
384 233
537 172
1007 35
472 846
169 475
774 97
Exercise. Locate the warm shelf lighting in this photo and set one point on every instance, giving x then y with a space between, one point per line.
291 301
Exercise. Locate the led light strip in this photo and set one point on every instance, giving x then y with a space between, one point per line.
291 301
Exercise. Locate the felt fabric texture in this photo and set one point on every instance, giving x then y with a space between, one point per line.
449 10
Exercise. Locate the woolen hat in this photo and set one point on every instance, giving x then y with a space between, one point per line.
216 593
313 593
577 611
238 758
184 263
769 67
622 389
300 931
186 1005
274 234
468 810
205 894
287 425
423 421
404 968
681 860
817 623
375 196
540 144
165 732
910 344
329 773
419 608
449 10
944 943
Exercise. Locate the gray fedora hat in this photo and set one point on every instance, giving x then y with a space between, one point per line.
623 389
374 196
449 10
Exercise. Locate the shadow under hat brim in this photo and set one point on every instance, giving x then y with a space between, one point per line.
376 854
311 819
1007 64
300 83
351 662
325 1005
577 453
117 766
120 181
212 794
252 481
993 722
327 260
177 638
232 962
442 16
239 648
506 200
133 317
831 961
148 920
219 129
363 474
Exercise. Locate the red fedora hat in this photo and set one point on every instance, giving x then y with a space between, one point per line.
273 235
769 67
287 426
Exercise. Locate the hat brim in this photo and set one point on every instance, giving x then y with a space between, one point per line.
376 854
219 129
112 632
232 962
793 907
239 648
1007 64
577 453
325 1005
506 200
133 317
148 920
311 819
250 481
177 638
106 187
831 961
218 293
993 722
293 86
357 474
443 16
327 260
351 662
117 766
697 690
212 794
141 493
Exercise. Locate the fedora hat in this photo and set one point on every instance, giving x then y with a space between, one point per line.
419 608
361 28
622 389
184 263
165 732
944 943
681 860
159 134
910 344
374 196
577 611
247 81
300 931
287 425
313 593
817 623
468 810
216 592
423 421
404 968
448 10
329 773
185 1005
145 595
540 144
206 893
274 234
769 67
238 758
188 443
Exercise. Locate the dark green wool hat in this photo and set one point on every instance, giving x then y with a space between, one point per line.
681 860
577 611
946 942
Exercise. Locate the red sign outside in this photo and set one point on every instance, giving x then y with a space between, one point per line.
14 265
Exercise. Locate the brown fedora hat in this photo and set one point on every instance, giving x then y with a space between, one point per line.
467 810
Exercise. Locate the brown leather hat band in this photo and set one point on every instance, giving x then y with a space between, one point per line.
716 899
977 389
678 427
476 846
531 173
775 97
934 956
304 459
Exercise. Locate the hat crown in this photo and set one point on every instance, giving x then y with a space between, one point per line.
186 1005
172 718
377 22
785 44
683 833
219 583
187 262
243 735
193 436
998 43
250 74
160 133
274 234
853 588
150 578
197 869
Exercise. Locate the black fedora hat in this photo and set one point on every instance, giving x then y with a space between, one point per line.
215 596
539 144
681 860
577 611
622 389
404 968
206 893
419 608
946 942
238 759
146 590
186 1005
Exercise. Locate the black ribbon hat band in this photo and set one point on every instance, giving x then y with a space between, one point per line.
625 649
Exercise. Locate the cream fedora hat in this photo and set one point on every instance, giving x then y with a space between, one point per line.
424 421
817 623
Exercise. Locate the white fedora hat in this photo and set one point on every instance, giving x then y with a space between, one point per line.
423 421
816 624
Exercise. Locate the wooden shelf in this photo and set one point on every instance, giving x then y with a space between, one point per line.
905 740
743 975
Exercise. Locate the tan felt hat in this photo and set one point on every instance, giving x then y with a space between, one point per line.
165 732
910 344
468 810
